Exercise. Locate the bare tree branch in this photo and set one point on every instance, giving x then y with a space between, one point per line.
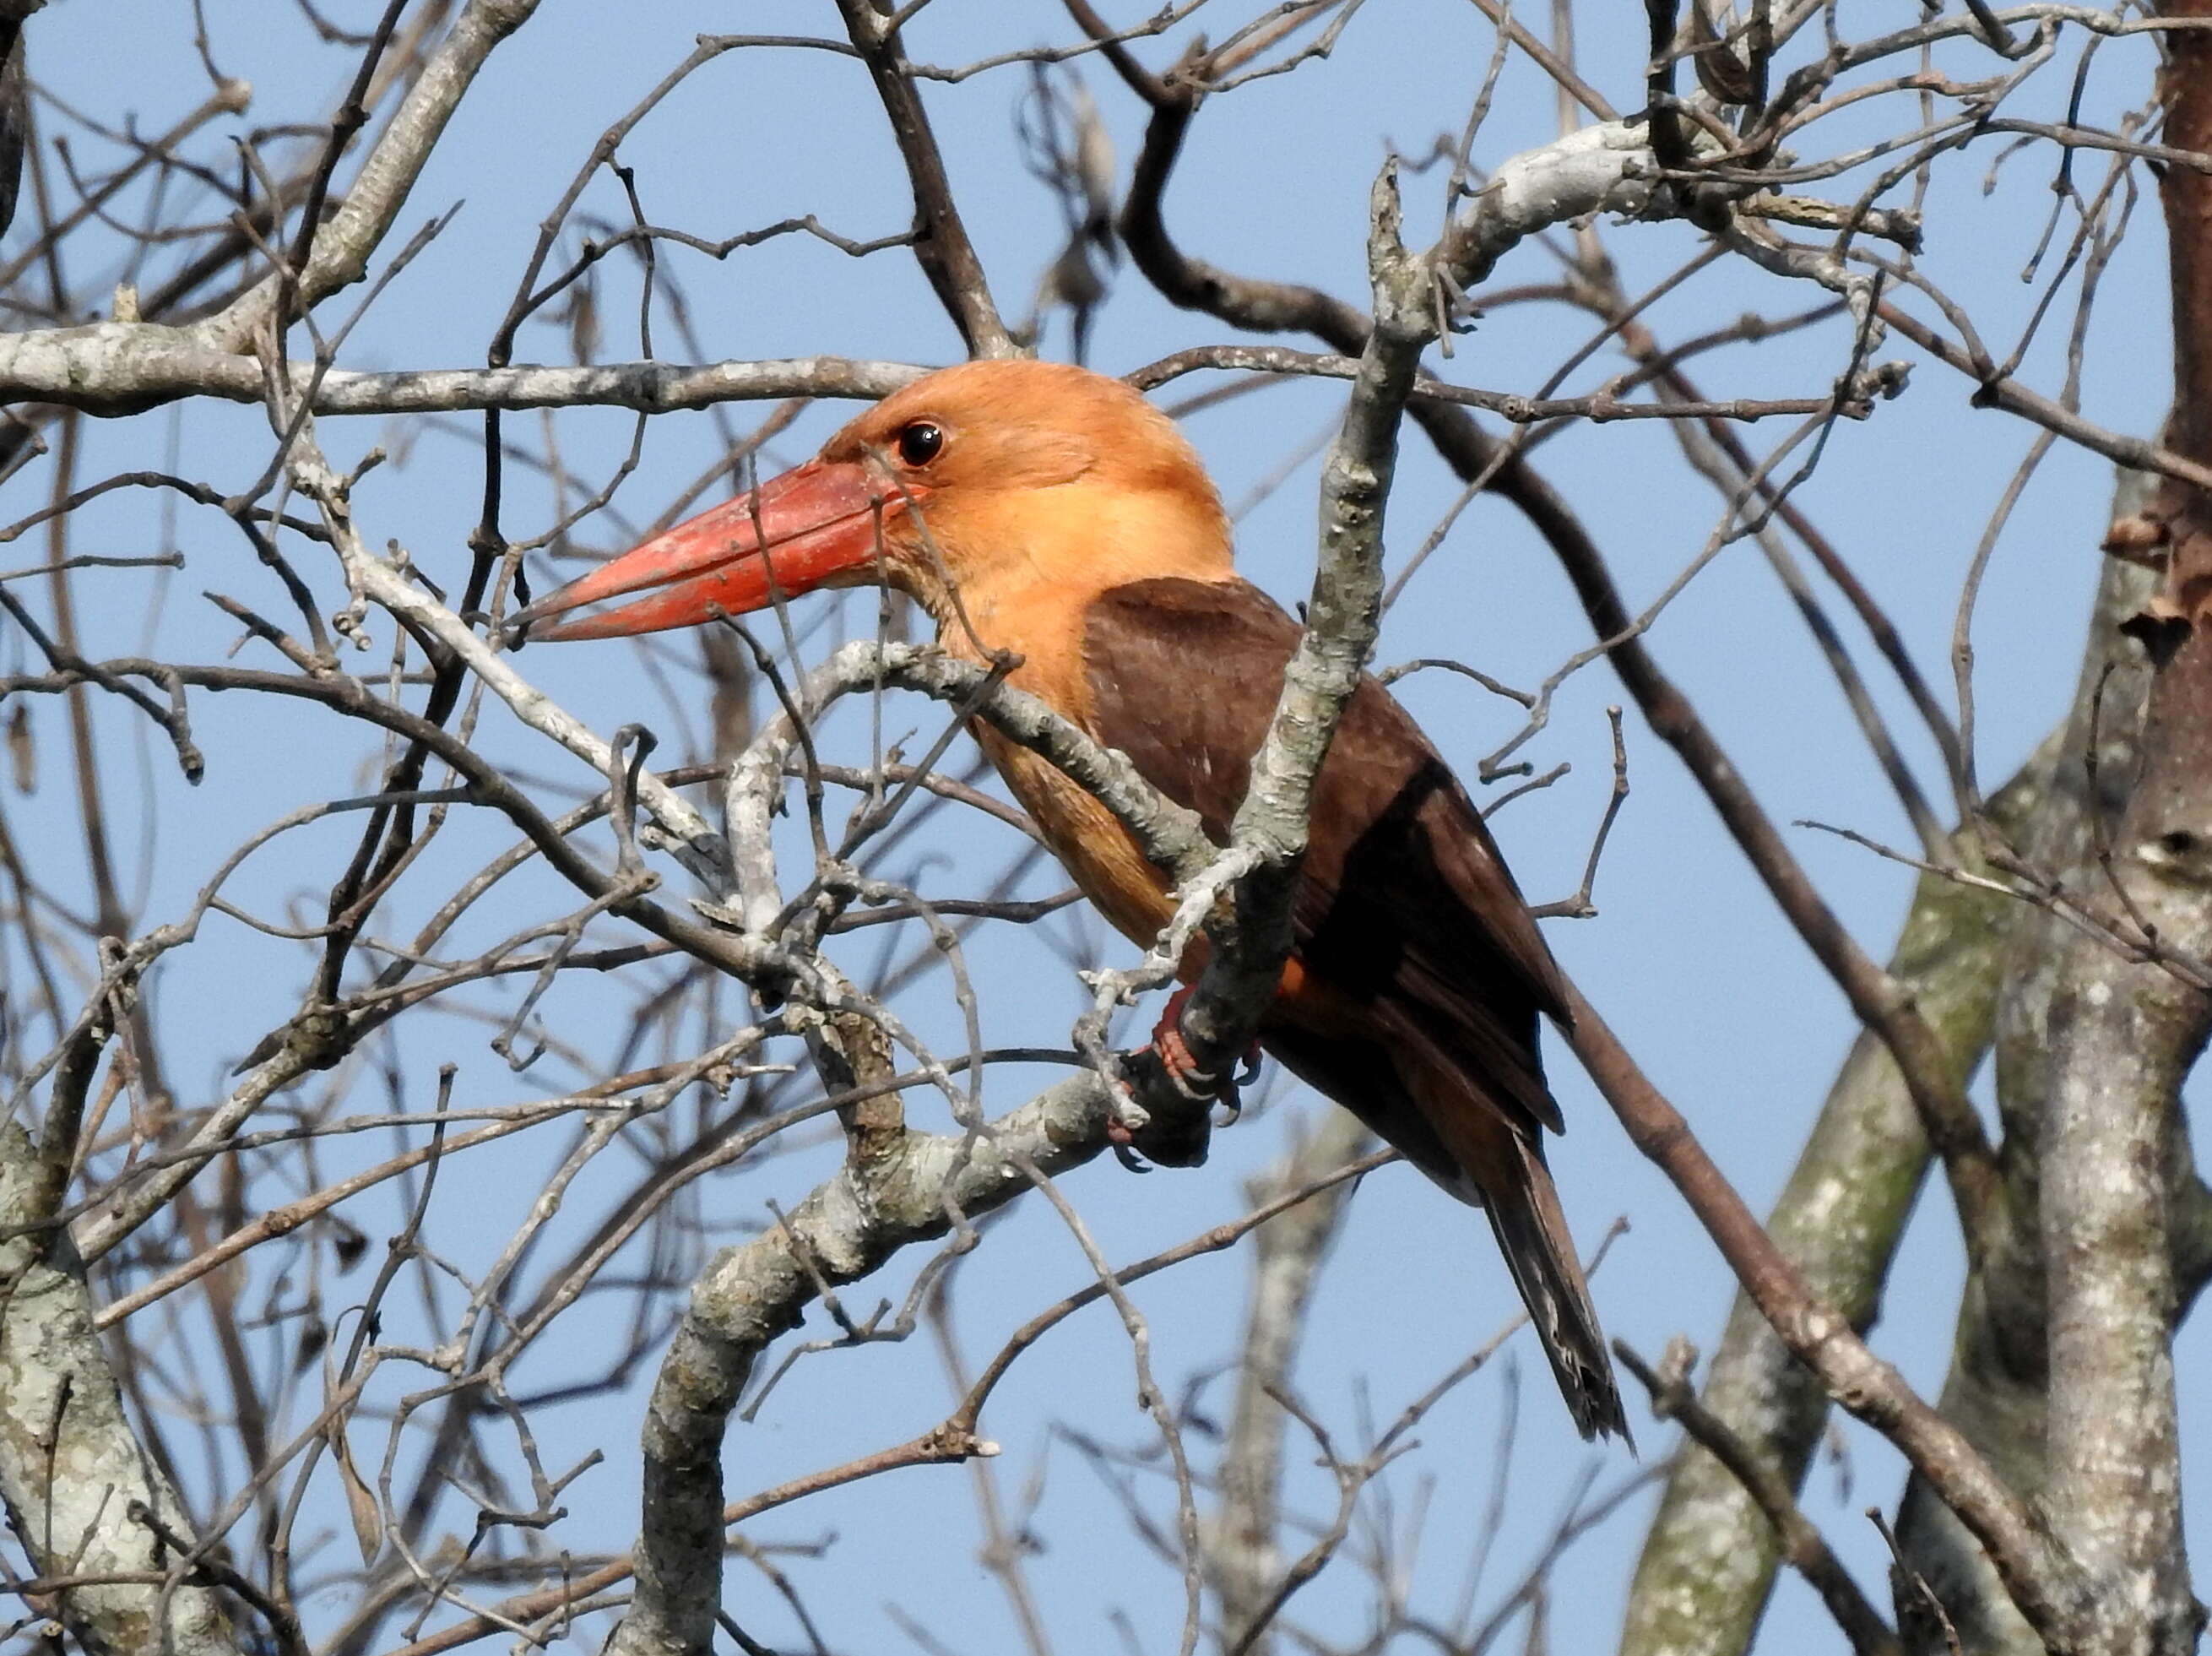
1244 1555
1709 1559
1799 1542
2043 1582
941 242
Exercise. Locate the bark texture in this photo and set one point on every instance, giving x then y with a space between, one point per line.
888 1196
2124 1030
1709 1561
72 1472
1995 1389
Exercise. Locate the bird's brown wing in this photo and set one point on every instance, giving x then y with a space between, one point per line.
1405 911
1421 975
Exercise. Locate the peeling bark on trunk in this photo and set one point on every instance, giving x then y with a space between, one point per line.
1995 1391
1709 1561
72 1470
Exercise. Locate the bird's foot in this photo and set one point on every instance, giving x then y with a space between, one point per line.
1173 1131
1172 1136
1193 1080
1121 1128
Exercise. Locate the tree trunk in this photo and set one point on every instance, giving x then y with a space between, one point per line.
78 1487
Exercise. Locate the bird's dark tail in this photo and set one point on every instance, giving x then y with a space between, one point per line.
1532 1234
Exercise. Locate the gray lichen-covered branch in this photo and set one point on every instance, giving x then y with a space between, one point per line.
901 1192
1596 170
121 368
79 1486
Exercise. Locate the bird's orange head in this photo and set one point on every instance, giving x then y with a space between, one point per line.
971 485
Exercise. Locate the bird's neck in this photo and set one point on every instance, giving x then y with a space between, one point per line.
1025 574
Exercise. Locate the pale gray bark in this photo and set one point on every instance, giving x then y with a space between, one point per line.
1709 1561
2124 1035
901 1193
74 1477
115 367
344 246
1998 1387
2126 1027
120 366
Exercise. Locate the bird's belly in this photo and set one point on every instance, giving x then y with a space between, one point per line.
1105 863
1112 871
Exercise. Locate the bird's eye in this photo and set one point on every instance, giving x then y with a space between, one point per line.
921 443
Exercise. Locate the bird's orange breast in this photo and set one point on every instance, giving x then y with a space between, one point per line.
1096 851
1122 883
1043 623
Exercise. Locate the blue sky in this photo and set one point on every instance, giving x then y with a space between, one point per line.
1688 958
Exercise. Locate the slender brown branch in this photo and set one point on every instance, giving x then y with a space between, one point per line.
2043 1582
941 244
1803 1544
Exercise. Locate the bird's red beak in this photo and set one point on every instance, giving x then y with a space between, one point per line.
792 534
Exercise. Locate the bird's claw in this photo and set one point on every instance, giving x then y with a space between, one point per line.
1122 1125
1194 1081
1198 1085
1176 1138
